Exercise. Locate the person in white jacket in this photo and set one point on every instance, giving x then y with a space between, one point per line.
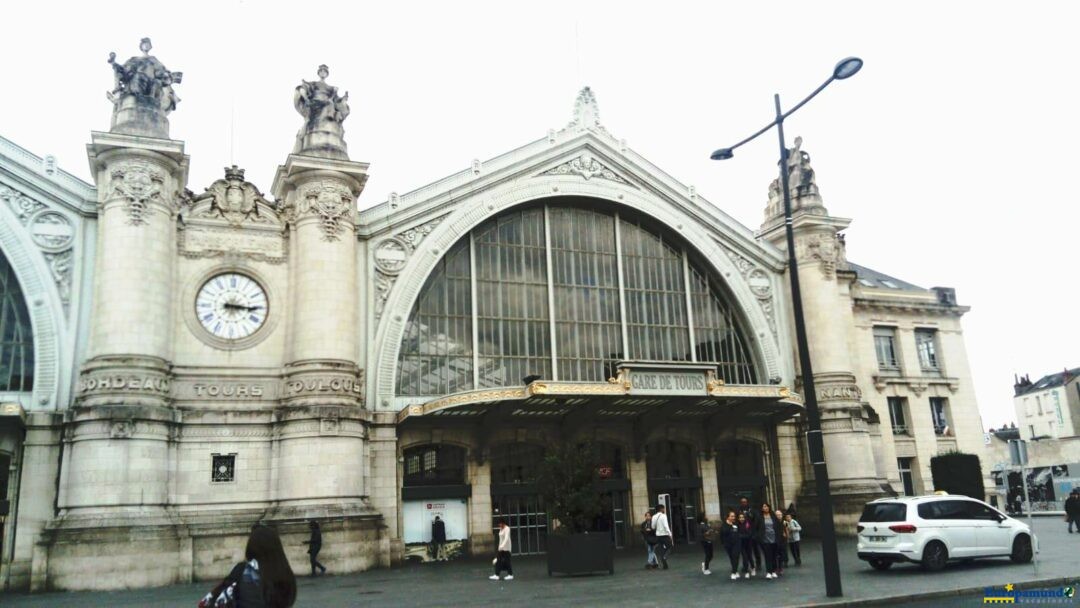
502 559
664 541
794 537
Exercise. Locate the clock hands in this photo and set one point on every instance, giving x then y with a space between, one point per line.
231 306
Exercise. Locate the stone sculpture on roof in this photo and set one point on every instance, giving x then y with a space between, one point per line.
142 94
324 111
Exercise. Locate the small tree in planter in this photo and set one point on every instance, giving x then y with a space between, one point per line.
567 483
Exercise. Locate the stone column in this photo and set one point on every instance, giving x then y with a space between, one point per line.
827 308
709 489
322 425
640 501
118 431
481 539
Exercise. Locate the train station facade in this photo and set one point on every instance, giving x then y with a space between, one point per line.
176 366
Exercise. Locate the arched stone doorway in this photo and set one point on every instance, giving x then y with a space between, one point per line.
740 473
672 469
515 498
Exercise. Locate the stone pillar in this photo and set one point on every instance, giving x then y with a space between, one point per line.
481 538
322 425
640 501
119 428
709 489
827 308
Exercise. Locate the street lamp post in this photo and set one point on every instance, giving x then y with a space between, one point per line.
830 558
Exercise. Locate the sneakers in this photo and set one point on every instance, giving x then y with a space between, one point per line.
753 571
770 575
707 572
664 561
494 577
746 575
509 577
703 570
734 576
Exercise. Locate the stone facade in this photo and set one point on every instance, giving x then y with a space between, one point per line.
155 436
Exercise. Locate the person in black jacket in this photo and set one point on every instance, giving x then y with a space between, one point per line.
755 547
314 546
649 536
767 531
746 543
729 538
438 539
263 580
1072 510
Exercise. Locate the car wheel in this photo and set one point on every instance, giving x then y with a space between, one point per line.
935 556
881 564
1021 549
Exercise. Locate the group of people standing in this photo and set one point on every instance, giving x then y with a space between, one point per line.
749 537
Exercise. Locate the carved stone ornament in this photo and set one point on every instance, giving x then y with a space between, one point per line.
142 94
759 283
586 167
121 429
586 113
330 201
52 232
324 111
801 178
139 184
824 250
234 200
392 254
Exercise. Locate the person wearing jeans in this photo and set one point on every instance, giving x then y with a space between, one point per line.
729 538
663 534
767 532
794 537
650 541
707 534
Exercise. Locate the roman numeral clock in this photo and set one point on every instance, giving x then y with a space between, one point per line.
231 306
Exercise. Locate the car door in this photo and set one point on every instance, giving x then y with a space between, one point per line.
992 530
957 527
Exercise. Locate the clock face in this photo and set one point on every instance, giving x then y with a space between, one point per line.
231 306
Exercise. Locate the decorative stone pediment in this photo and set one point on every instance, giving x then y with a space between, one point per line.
587 167
759 283
233 201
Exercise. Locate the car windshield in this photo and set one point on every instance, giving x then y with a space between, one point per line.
884 511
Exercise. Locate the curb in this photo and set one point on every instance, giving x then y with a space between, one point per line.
945 593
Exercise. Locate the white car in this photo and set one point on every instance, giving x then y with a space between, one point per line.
931 530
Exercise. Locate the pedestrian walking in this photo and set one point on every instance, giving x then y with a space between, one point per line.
746 544
314 546
263 580
781 544
662 529
729 539
502 558
1072 510
438 539
755 546
794 537
767 529
707 534
649 536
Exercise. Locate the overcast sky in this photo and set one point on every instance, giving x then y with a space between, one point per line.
950 150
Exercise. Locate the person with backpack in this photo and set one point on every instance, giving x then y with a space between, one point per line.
649 536
707 534
263 580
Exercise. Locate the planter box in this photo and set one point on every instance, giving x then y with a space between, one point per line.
580 553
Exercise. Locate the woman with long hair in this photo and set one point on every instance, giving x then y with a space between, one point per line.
767 531
263 580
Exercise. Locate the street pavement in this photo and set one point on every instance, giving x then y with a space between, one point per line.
465 583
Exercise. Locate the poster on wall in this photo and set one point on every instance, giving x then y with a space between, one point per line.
420 513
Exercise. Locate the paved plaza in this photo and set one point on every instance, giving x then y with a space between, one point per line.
466 583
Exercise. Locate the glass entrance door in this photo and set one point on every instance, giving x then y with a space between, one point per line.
525 515
615 510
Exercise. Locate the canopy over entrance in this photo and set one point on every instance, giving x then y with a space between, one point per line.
640 393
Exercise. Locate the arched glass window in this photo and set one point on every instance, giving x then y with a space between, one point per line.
16 334
740 459
434 465
562 291
670 460
515 463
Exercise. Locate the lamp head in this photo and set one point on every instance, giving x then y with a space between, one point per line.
722 154
847 68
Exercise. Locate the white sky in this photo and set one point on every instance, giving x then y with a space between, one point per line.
950 149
